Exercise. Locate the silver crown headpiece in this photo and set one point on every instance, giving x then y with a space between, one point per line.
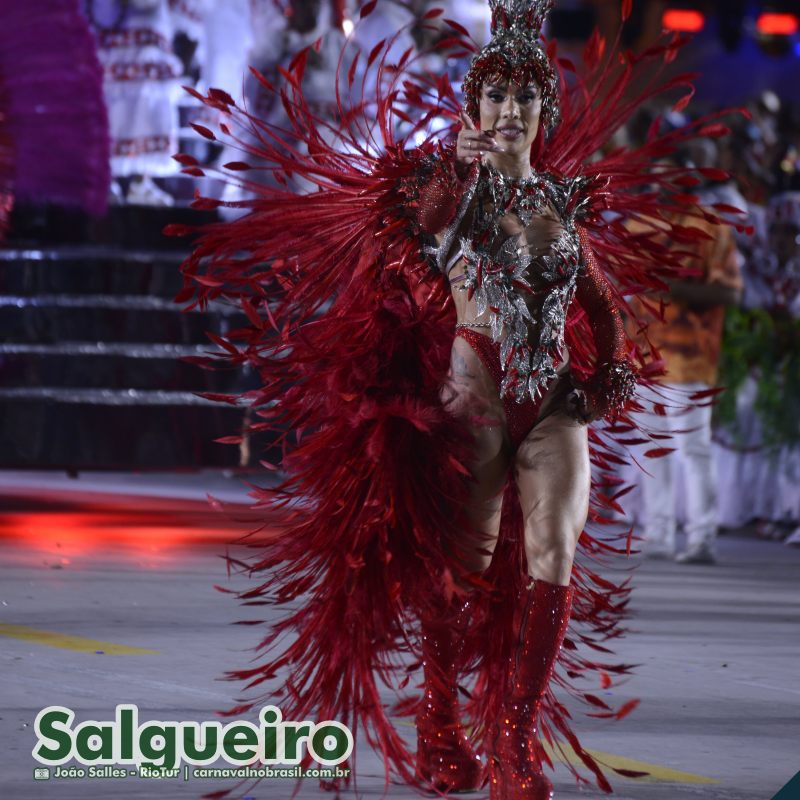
520 17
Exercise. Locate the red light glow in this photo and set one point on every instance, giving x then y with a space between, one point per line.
778 24
682 19
150 532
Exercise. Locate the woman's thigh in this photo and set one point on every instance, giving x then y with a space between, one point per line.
554 476
471 396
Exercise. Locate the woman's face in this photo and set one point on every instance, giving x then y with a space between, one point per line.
511 113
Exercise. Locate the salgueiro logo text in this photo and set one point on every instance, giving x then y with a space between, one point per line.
168 744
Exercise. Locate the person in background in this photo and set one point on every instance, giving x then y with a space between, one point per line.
777 373
141 80
689 341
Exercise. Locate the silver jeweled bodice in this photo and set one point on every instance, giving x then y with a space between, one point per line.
502 277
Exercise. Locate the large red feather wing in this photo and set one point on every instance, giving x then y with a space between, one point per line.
351 338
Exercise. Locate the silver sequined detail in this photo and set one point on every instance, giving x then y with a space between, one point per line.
526 16
500 281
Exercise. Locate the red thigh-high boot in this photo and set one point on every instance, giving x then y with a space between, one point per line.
445 758
516 765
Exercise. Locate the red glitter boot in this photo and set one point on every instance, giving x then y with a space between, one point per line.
515 766
445 758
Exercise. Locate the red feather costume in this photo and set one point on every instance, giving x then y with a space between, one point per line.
351 330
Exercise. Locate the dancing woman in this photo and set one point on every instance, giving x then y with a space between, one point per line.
433 334
510 245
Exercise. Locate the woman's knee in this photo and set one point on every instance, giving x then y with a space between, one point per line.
551 553
551 560
554 538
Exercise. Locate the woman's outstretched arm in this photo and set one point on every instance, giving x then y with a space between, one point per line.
615 378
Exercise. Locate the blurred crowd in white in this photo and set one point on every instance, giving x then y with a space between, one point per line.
150 48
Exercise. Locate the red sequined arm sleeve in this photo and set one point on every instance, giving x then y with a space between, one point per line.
615 379
434 195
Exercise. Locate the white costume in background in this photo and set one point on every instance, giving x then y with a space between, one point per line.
682 486
228 42
142 78
383 24
689 340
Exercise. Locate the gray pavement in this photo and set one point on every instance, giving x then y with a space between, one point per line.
718 648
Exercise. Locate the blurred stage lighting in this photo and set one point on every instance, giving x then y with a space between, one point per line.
775 31
771 24
684 20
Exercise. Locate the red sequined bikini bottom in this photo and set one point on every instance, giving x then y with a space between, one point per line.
520 417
